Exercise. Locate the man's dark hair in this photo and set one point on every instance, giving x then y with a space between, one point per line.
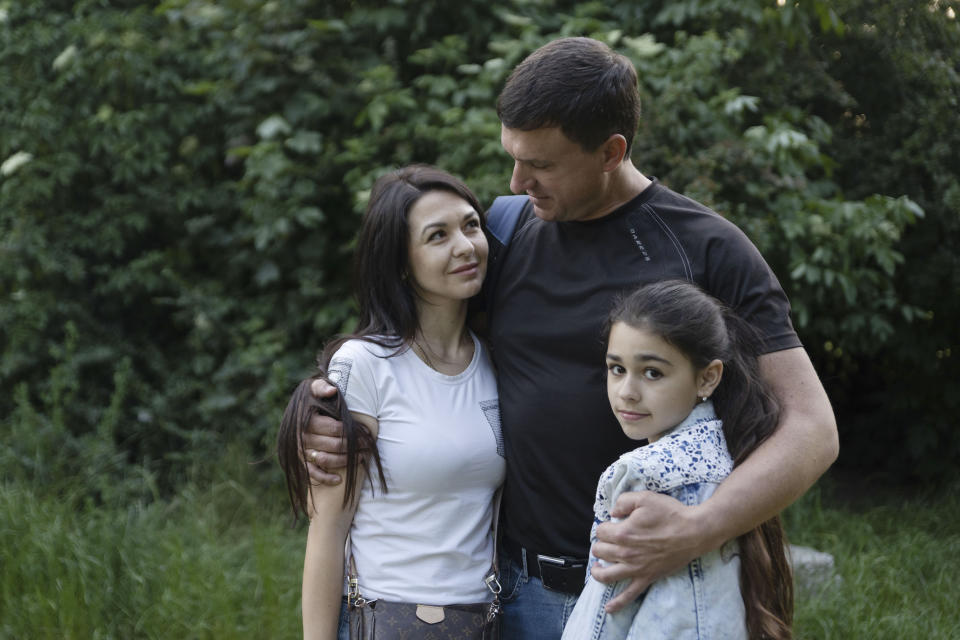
578 84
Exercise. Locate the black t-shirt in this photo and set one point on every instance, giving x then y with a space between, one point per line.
546 313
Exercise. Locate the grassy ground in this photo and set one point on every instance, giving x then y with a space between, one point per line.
897 555
223 562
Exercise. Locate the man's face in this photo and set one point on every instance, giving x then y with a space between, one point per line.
563 181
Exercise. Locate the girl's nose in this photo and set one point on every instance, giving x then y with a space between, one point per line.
629 390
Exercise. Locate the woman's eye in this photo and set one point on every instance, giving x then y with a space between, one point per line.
473 224
435 236
652 374
616 369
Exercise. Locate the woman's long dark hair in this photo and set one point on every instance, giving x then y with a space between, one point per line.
387 317
704 329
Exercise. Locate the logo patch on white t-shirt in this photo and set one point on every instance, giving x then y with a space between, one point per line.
339 373
491 411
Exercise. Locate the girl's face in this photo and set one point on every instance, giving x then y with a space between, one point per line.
447 248
651 385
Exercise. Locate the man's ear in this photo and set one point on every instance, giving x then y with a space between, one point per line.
708 378
614 151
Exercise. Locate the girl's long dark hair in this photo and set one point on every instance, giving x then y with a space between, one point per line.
705 329
387 317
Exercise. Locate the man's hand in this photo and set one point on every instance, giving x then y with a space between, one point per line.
323 442
655 537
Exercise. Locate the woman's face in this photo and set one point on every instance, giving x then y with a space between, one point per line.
447 250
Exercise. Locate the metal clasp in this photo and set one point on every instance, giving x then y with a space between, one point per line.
354 599
493 584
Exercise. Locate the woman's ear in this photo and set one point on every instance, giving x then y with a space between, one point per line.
708 378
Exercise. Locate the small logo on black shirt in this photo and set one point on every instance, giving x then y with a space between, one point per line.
637 241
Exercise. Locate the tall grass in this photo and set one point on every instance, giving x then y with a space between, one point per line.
897 558
217 562
221 561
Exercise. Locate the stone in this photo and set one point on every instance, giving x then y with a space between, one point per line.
812 569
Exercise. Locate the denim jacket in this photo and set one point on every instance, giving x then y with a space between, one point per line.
700 601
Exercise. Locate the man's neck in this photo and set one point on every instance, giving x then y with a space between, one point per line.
623 185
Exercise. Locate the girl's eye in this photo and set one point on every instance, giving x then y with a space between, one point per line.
616 370
435 235
652 374
473 224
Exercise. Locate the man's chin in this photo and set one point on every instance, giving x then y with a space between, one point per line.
548 215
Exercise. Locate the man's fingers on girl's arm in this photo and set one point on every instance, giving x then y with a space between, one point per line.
627 502
626 596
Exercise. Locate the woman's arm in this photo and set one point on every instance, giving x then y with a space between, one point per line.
323 562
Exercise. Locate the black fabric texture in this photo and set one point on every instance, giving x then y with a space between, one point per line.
546 310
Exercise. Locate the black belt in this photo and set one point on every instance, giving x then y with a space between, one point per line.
557 573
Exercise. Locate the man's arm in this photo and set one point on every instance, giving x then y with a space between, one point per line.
659 535
324 448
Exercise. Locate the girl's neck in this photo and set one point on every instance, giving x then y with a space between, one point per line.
442 340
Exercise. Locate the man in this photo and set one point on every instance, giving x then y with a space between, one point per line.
598 227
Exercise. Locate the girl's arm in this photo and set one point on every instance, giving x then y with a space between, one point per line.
323 562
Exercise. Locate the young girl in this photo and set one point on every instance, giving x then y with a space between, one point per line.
677 362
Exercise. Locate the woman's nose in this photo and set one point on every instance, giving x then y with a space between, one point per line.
462 245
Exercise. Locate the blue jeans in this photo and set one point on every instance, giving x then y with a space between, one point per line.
530 612
343 626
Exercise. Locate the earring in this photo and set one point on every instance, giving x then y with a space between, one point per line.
703 398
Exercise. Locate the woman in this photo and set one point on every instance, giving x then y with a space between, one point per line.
422 396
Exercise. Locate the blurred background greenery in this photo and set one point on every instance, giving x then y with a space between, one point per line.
179 190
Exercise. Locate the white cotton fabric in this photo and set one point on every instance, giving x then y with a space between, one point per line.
427 540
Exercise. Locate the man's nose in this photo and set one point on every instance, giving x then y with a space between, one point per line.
519 180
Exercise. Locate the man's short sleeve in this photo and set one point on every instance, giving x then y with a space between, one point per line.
738 275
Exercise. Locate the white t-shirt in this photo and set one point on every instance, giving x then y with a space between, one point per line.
427 540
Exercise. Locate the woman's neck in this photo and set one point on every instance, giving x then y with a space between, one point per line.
442 340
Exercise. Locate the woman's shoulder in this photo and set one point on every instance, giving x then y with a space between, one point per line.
368 357
369 347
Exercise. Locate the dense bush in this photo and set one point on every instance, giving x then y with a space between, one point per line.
181 183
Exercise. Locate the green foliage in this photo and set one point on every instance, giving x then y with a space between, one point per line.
211 563
181 184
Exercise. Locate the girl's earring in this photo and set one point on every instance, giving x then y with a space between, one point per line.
703 398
